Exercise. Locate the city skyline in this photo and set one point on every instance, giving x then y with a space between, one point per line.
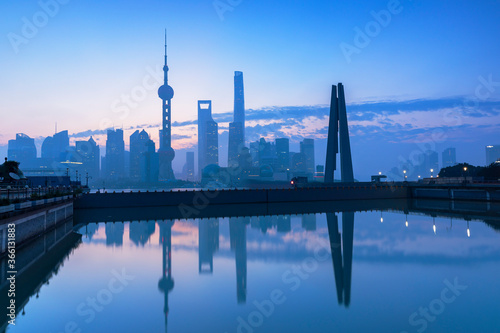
117 88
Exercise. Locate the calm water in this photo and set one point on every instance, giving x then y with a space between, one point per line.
345 272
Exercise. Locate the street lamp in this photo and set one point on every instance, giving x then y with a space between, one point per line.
404 172
406 220
468 230
381 218
432 173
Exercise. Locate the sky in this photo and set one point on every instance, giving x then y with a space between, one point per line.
415 72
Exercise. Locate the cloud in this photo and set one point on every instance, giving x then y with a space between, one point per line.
408 121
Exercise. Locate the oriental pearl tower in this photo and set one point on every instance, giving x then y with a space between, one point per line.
166 153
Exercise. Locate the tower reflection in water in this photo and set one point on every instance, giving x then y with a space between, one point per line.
166 283
342 264
238 239
208 244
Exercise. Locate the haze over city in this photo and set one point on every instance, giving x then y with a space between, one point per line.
410 76
249 166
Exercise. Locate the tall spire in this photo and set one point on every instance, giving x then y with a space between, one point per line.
165 68
167 154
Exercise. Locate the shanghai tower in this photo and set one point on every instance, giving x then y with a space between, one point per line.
237 128
166 153
239 101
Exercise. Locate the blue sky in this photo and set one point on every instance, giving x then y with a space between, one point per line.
78 65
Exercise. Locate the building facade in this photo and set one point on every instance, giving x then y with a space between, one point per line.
138 145
449 157
115 154
22 150
492 154
208 137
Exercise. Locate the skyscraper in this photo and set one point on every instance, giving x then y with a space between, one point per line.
189 166
115 154
236 143
22 150
239 102
166 153
138 146
88 153
283 152
208 137
149 163
449 157
55 147
307 148
492 154
237 128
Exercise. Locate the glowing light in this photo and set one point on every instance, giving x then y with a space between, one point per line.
468 232
434 228
407 224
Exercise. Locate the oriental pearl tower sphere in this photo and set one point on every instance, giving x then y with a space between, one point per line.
166 153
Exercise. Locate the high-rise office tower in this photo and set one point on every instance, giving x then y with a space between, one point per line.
492 154
239 101
237 128
236 143
449 157
208 137
54 148
166 153
138 145
299 164
115 154
149 163
189 166
283 153
307 148
88 153
22 150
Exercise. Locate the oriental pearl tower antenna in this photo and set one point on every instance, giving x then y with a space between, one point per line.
166 153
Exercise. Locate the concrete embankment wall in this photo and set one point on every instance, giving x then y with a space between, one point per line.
35 222
470 194
225 197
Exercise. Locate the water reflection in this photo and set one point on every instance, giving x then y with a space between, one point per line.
365 270
140 232
208 244
342 265
238 239
37 263
166 283
114 234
